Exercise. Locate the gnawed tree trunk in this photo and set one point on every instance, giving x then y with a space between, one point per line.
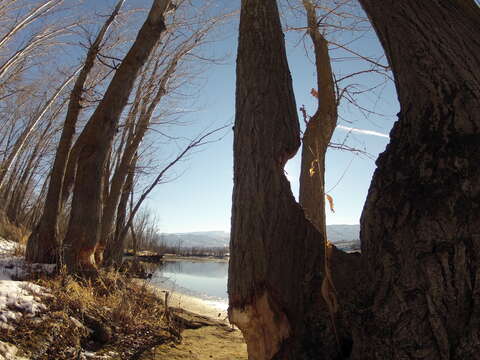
421 225
43 244
95 143
277 255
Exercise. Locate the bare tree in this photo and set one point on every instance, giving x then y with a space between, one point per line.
96 140
319 128
44 244
115 248
21 140
160 77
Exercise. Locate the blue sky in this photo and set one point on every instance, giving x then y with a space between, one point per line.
200 200
200 197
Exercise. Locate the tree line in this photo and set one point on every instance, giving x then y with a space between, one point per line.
77 139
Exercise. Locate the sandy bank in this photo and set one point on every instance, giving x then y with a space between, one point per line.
215 310
207 342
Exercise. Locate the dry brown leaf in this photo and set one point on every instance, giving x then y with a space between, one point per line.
330 202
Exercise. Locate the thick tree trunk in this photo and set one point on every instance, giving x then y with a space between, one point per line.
43 244
96 139
277 262
421 225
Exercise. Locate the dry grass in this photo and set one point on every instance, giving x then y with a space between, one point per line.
105 314
12 232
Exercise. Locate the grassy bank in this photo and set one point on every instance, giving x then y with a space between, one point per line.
117 317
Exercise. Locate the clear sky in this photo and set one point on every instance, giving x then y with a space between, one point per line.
200 199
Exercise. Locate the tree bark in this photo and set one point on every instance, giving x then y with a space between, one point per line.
43 244
420 225
277 255
96 139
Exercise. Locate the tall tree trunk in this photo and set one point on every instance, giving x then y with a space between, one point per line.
319 129
96 139
43 244
315 141
421 225
277 255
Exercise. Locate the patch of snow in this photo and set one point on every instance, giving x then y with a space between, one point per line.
19 298
7 246
92 355
14 267
9 352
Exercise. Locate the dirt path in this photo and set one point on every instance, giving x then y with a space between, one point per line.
205 343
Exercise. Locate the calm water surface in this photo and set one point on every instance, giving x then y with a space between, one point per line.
206 280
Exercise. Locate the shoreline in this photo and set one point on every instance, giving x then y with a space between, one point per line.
173 257
215 310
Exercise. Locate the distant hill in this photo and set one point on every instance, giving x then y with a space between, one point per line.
196 239
342 235
345 237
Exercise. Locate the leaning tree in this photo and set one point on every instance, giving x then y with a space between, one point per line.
414 291
95 143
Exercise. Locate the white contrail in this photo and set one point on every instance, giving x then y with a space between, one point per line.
362 131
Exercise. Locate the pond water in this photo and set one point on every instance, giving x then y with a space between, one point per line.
206 280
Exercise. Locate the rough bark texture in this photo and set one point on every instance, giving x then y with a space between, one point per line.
96 139
421 224
276 265
43 244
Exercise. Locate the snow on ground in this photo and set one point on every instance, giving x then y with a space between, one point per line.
17 298
22 298
14 267
7 246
